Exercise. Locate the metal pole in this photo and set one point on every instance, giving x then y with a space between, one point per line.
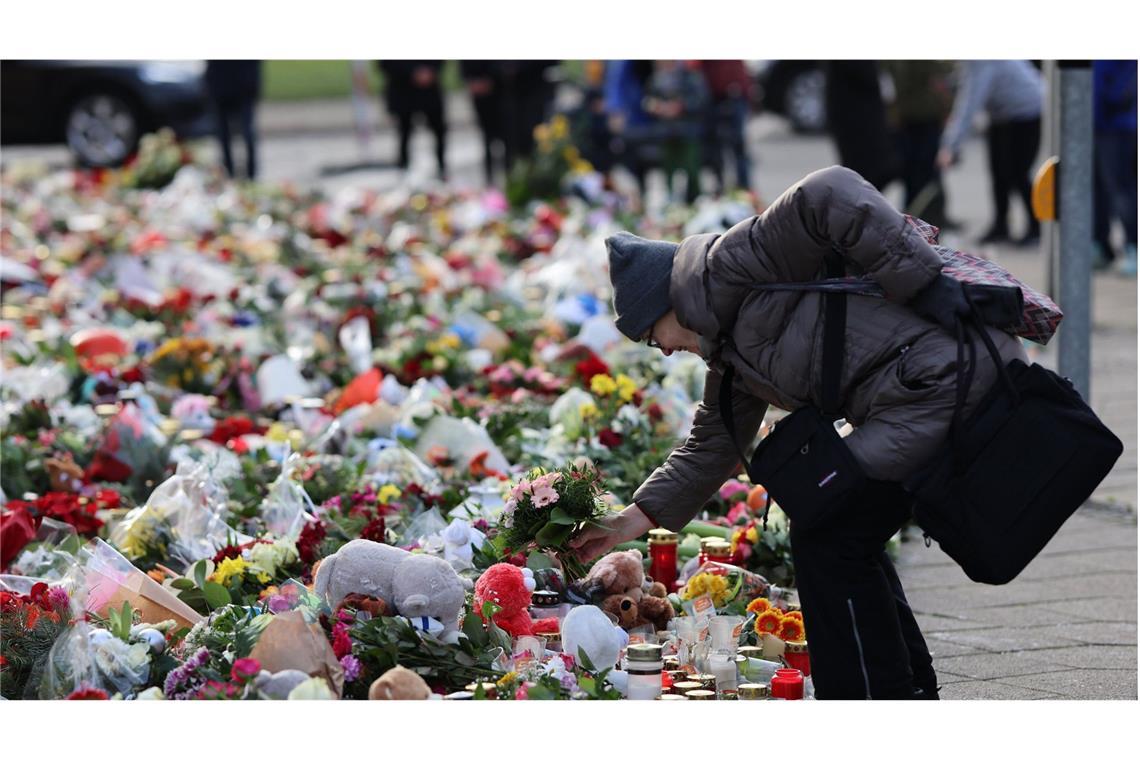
1050 126
1075 199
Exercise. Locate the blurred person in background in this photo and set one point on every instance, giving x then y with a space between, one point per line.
527 95
1114 148
1012 95
413 87
677 98
730 90
623 94
857 120
923 99
486 96
234 88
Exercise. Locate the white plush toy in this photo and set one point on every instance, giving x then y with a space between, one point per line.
588 629
459 543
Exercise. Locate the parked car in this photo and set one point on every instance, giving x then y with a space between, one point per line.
100 109
794 89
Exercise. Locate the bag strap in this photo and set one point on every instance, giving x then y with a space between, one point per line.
966 370
834 329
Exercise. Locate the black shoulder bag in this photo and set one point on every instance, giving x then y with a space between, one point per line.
1014 472
1005 482
803 463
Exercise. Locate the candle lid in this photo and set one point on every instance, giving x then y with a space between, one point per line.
488 687
701 694
704 678
544 599
751 651
685 686
753 690
795 647
460 695
670 697
644 652
662 536
719 548
710 540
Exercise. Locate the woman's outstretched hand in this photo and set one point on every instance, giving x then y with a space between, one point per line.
624 526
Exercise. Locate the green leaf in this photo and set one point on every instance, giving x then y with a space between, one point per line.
200 573
473 630
538 561
584 659
559 517
553 534
183 584
216 594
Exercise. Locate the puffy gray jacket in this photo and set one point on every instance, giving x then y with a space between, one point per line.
898 381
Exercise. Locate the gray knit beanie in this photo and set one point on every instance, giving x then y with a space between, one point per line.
639 272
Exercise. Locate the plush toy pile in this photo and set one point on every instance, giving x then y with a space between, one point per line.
259 443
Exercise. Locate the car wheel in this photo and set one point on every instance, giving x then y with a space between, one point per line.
804 101
102 129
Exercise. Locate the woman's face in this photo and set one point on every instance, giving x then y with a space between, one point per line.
668 334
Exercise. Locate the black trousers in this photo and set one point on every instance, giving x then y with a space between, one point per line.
862 636
918 147
426 101
1012 147
239 113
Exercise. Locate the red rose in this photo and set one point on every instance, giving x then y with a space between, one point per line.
609 438
17 528
590 366
244 669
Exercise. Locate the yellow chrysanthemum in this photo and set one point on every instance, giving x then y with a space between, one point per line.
387 493
602 385
507 682
263 577
228 569
759 605
752 535
588 410
626 387
791 629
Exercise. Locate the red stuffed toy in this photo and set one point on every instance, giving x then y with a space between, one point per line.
510 587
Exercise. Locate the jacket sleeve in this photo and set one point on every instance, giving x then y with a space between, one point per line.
832 208
973 90
676 490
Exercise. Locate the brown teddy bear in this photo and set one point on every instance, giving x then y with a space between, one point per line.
627 594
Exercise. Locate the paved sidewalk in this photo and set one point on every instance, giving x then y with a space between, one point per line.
1066 629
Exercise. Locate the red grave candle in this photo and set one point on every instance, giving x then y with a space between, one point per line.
663 557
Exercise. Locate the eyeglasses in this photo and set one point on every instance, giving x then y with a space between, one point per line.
651 341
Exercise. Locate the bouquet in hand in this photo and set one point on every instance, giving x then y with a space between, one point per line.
546 509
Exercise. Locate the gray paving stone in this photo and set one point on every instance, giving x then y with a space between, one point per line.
941 647
1007 640
971 689
1099 633
997 665
1077 684
930 624
1021 616
1094 657
1106 609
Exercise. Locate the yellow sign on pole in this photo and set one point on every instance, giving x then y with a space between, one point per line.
1045 191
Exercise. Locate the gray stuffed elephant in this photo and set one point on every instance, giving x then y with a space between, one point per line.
415 585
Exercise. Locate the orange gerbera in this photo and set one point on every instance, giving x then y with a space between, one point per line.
759 605
769 622
795 614
791 629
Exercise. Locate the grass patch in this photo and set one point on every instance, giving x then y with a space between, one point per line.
309 80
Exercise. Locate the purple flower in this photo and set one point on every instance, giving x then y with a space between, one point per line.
57 597
279 603
352 667
183 673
